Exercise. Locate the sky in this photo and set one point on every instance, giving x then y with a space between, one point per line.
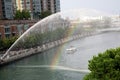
107 6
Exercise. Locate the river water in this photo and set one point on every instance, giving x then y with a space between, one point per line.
58 63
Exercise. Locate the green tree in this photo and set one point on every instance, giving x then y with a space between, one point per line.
105 66
45 14
18 15
25 14
7 42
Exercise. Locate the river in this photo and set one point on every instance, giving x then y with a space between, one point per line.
58 63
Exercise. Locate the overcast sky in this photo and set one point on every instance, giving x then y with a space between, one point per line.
108 6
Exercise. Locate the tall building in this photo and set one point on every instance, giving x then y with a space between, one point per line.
37 6
50 5
6 9
57 5
24 5
33 6
1 13
14 6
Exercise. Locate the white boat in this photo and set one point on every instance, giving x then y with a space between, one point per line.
71 49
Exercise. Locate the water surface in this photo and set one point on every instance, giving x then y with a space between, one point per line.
67 66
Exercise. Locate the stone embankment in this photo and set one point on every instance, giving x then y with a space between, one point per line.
16 55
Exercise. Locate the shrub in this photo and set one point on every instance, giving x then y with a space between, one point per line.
105 66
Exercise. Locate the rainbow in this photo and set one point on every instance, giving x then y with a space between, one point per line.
58 52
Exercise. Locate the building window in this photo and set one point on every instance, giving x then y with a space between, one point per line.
19 28
26 27
7 30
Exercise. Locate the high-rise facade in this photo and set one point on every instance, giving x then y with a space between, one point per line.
50 5
1 13
35 7
14 6
6 9
24 5
57 5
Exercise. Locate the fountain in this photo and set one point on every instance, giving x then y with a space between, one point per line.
58 29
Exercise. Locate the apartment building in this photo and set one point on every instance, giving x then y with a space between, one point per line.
50 5
10 28
57 5
1 13
35 7
7 31
6 9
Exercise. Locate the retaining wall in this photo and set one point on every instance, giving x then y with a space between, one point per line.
16 55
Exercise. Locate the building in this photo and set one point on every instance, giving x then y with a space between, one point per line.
35 7
57 5
6 9
50 5
14 6
1 13
115 20
10 28
24 5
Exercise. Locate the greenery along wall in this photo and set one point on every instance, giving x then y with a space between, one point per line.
7 42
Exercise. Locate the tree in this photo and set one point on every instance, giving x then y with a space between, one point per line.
105 66
45 14
25 14
5 43
20 15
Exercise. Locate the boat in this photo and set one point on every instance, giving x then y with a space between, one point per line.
71 50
